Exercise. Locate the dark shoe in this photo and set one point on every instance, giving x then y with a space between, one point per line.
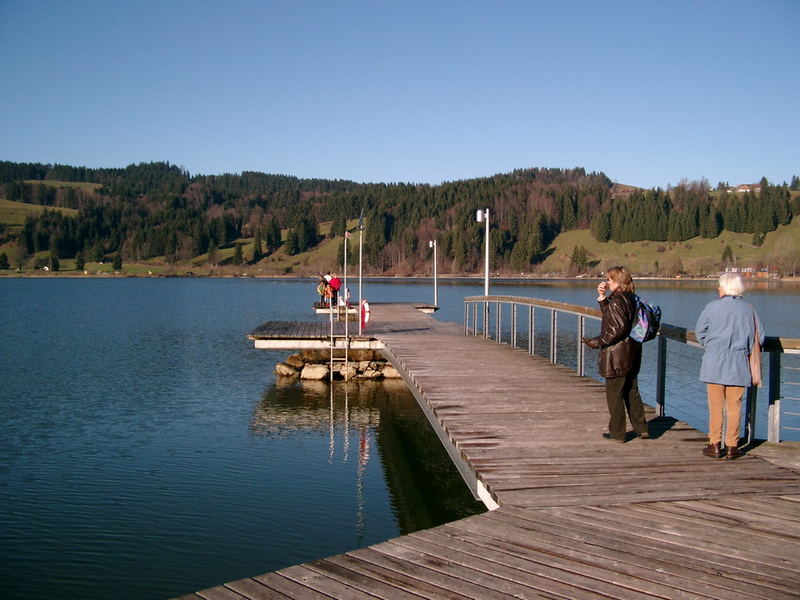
713 450
732 452
608 437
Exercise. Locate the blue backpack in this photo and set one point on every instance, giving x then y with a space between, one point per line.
646 321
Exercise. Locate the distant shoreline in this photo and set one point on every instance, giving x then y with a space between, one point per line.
10 274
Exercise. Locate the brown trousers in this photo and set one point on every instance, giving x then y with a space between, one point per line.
724 401
622 393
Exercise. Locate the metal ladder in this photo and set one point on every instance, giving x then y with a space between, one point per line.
334 338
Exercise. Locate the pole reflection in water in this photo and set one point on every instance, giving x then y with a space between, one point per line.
424 488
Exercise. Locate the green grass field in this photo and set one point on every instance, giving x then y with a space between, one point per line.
697 256
13 214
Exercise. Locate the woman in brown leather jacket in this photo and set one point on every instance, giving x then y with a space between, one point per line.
620 355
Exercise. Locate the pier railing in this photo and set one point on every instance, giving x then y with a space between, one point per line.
675 353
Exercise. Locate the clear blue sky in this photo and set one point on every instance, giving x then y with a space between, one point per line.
649 92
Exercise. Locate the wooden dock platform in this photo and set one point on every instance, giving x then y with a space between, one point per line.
578 516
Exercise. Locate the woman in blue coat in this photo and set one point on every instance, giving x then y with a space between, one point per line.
726 329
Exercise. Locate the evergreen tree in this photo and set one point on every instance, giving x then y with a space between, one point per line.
601 227
377 235
171 249
291 243
213 254
579 258
238 257
727 255
53 261
257 252
117 264
80 262
307 233
272 235
4 264
339 224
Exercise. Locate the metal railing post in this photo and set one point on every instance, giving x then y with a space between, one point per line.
486 319
474 319
531 329
774 421
750 414
661 375
513 324
553 335
498 322
581 352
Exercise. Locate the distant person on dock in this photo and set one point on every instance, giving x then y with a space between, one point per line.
727 329
335 284
620 355
321 289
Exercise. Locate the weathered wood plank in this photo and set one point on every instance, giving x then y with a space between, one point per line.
622 553
447 586
343 573
277 582
318 582
640 538
220 593
538 573
254 590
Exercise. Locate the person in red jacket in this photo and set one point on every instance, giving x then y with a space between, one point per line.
335 284
620 355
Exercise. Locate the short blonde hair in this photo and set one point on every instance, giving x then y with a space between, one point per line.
731 284
623 278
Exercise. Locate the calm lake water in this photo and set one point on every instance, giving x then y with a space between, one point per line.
147 450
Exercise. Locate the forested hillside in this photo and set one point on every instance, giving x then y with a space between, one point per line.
159 211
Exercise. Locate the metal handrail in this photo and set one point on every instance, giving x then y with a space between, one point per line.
775 347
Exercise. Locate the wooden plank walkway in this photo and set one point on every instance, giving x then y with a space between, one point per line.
578 516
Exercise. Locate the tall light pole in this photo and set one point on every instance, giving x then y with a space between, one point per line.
360 263
432 244
483 215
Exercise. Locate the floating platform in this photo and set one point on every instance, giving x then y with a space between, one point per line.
321 308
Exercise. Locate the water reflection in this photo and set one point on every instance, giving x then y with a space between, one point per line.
358 417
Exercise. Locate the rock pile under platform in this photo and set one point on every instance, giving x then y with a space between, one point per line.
315 364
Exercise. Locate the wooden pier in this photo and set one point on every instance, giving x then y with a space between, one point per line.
576 516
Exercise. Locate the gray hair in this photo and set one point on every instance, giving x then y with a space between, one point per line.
731 284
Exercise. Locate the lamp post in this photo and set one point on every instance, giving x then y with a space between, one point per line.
432 244
483 215
360 263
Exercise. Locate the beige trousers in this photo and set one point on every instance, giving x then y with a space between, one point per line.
724 401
